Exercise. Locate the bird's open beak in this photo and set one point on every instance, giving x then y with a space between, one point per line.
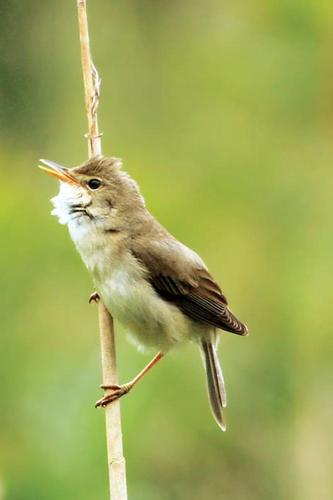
61 173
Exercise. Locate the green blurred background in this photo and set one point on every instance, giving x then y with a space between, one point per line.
222 111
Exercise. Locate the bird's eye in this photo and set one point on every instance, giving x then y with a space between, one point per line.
94 184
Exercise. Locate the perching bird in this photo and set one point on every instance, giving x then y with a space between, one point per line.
153 284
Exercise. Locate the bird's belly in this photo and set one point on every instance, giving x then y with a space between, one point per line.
151 321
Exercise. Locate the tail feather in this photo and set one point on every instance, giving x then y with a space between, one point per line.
215 382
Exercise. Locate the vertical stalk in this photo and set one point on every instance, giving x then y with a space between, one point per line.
116 461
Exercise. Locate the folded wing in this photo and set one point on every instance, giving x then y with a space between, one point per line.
179 276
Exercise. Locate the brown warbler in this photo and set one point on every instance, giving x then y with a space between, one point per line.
158 288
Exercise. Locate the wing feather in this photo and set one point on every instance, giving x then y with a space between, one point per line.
179 276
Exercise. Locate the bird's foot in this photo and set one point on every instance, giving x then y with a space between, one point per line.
94 297
117 392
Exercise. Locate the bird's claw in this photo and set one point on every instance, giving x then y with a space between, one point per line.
94 297
117 392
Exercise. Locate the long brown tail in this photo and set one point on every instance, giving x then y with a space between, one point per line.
215 382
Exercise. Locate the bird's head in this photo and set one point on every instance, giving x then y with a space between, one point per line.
97 191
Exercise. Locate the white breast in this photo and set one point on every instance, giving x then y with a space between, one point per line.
120 280
151 321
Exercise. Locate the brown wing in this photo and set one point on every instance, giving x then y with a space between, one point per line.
178 275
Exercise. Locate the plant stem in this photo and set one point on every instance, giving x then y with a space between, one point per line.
116 461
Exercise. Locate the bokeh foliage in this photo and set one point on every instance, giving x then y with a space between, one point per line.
223 113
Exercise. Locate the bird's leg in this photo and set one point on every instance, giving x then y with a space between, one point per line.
120 390
94 297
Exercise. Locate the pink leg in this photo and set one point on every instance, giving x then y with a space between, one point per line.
120 390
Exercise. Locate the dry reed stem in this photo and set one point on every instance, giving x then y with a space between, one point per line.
116 461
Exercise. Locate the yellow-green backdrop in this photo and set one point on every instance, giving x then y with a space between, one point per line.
222 111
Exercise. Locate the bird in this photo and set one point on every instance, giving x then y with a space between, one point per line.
159 289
